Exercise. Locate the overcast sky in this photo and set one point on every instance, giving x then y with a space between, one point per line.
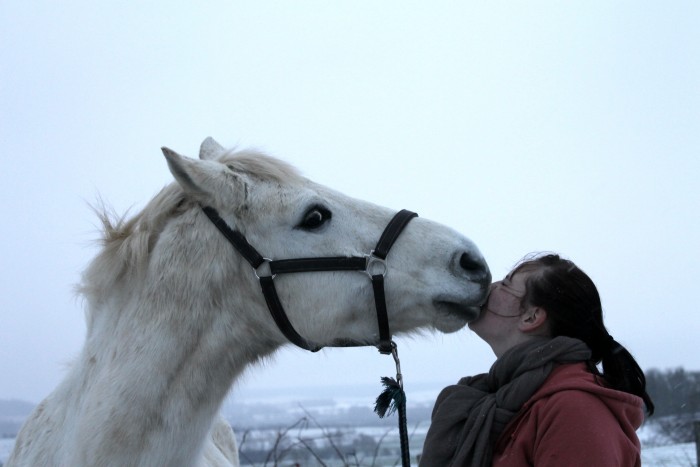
564 126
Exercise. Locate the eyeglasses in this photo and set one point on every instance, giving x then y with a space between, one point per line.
506 286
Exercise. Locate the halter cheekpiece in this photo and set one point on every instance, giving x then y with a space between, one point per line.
373 264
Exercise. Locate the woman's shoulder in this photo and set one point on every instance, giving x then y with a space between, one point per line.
574 383
572 392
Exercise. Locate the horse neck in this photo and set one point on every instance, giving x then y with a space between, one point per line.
160 355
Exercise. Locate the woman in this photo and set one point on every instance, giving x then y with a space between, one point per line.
544 402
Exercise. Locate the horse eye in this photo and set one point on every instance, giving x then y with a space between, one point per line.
315 218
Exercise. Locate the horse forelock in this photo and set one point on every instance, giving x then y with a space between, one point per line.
261 166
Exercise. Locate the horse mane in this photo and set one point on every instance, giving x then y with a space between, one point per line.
126 242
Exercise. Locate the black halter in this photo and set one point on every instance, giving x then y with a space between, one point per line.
374 264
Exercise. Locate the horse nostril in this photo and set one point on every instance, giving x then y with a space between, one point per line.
475 267
470 264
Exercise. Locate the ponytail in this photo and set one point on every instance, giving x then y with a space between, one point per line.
622 372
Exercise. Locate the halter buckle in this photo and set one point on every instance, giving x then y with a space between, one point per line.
375 265
266 271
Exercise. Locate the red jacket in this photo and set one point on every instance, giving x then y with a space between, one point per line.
573 420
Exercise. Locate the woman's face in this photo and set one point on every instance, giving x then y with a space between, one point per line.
498 322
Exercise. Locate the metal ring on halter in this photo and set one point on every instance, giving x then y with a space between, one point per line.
371 268
269 269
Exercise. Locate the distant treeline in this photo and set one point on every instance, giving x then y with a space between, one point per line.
674 392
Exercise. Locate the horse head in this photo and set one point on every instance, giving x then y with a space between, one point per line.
435 277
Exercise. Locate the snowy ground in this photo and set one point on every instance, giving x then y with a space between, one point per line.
657 451
5 448
679 455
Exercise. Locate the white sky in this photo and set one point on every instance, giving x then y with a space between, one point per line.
565 126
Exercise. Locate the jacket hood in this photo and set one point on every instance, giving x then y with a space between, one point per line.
626 407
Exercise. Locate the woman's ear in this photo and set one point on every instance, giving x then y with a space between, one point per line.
534 321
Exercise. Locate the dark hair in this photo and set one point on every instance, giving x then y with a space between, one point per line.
574 309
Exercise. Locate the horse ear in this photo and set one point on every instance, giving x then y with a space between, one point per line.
205 181
210 149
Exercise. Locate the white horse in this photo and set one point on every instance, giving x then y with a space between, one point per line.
175 314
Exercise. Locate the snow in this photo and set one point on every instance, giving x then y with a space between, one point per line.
5 448
678 455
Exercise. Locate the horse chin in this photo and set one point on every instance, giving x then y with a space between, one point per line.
453 316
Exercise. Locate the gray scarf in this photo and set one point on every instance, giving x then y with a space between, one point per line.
469 417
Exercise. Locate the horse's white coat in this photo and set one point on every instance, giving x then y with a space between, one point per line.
174 314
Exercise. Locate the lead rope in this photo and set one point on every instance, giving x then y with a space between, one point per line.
393 399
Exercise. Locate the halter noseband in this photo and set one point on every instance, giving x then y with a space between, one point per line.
374 264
